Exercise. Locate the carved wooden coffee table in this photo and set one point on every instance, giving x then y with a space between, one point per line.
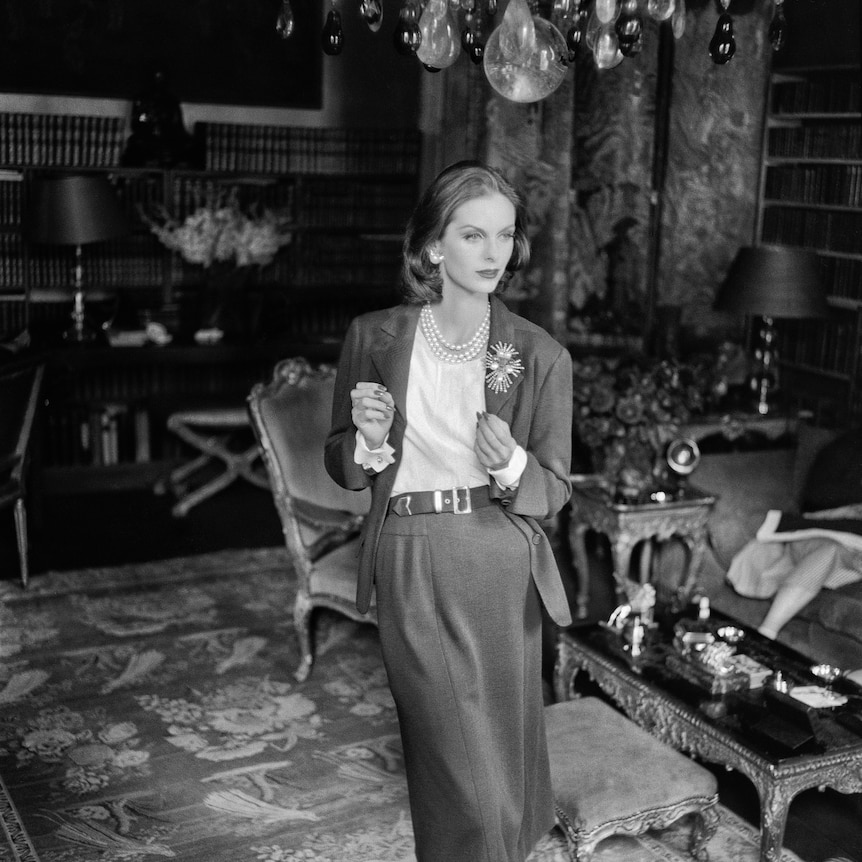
743 730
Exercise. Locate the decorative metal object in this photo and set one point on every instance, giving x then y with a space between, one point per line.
503 366
682 456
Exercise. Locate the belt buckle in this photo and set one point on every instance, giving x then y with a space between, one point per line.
457 508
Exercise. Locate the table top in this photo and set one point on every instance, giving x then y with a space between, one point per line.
593 489
773 725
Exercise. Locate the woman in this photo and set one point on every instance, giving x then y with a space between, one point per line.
457 413
789 564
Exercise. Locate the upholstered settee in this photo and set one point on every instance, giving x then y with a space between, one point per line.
748 485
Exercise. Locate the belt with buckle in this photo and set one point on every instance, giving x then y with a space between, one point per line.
458 501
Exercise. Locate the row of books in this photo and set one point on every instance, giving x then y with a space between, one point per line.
307 319
61 140
10 199
325 260
825 344
94 141
838 185
842 277
356 205
13 264
132 260
103 272
821 141
832 94
291 149
13 315
188 193
817 229
317 202
365 275
103 435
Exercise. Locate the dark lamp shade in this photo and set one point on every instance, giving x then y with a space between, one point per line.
773 281
74 210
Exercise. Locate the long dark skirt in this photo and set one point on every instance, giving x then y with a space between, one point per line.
460 627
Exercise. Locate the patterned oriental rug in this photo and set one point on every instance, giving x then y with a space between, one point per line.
151 711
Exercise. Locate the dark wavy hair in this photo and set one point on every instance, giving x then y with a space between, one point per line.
455 185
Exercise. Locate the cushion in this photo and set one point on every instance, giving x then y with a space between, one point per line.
840 610
835 476
810 439
748 485
610 775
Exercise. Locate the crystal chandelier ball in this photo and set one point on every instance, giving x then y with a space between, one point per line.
531 75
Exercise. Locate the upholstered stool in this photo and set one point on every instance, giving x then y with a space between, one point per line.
611 777
210 431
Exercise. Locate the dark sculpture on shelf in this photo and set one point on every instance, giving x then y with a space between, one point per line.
159 137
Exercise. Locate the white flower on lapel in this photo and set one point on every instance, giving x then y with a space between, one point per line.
503 366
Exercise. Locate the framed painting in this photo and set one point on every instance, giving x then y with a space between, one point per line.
225 52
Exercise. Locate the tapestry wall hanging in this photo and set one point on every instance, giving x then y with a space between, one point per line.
227 52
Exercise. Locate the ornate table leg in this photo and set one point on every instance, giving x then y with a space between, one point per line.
566 669
696 544
622 546
774 802
646 561
705 826
577 532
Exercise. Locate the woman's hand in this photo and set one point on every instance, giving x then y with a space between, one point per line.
494 442
373 410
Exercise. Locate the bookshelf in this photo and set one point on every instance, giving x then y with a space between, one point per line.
811 197
346 195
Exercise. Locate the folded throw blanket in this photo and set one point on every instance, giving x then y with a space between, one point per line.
786 527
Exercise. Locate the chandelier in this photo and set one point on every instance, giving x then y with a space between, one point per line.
526 54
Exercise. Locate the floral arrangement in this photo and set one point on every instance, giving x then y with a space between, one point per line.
628 409
219 231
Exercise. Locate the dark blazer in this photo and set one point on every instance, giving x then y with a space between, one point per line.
537 406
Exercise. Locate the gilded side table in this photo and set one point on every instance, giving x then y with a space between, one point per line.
626 525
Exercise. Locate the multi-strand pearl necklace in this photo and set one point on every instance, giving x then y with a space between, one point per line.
447 352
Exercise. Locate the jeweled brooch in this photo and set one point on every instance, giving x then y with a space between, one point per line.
503 366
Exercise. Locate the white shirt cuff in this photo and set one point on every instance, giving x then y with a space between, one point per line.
510 475
373 460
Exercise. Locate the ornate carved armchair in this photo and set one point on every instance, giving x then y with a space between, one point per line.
20 390
290 415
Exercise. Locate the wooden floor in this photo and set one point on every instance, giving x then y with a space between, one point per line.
78 531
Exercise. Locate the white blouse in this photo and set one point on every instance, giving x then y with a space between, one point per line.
443 399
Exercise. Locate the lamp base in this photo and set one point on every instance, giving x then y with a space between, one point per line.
764 391
763 381
82 331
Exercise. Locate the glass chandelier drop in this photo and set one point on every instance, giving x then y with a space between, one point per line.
527 51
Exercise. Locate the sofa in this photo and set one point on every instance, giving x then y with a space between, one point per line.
747 485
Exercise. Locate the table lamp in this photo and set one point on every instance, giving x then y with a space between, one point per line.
75 209
771 282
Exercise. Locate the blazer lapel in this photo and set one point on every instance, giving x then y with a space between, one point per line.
502 332
391 355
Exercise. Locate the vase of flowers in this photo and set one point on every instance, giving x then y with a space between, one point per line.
230 244
627 409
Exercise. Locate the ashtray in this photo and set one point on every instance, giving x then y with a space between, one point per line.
828 673
730 634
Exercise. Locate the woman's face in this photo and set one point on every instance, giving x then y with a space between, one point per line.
477 245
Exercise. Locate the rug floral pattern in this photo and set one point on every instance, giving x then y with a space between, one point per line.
152 712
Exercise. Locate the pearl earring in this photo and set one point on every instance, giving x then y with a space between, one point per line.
436 257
